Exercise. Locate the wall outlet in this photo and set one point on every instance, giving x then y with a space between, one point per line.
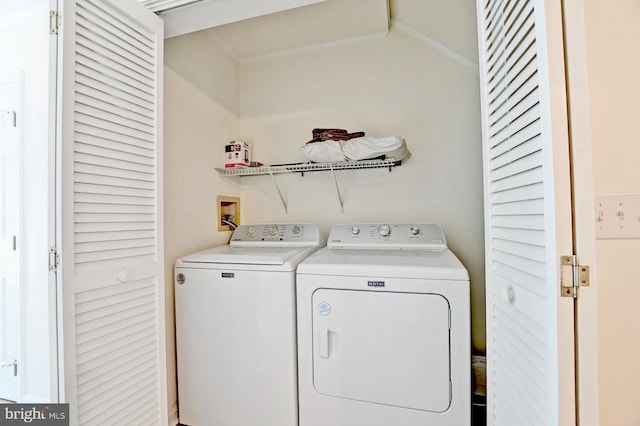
617 216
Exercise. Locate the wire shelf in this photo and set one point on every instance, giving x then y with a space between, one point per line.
309 167
303 168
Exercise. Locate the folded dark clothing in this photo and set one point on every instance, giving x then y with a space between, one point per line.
317 132
320 135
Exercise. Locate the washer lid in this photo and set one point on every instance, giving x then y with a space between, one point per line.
244 255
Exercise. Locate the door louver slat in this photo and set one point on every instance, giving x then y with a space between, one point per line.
85 188
106 88
114 68
102 17
521 235
114 31
114 130
112 154
125 125
126 144
112 62
89 237
124 83
525 163
122 104
111 109
518 221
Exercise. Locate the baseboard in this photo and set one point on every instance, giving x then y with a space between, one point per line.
34 399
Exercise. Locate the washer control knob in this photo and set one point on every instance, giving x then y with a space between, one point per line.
272 230
414 230
384 230
295 229
354 230
251 231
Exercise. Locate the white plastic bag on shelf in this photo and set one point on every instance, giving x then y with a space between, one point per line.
363 148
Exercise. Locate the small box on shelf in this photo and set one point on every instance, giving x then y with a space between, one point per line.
236 154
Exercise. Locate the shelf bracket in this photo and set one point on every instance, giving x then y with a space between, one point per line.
335 181
275 182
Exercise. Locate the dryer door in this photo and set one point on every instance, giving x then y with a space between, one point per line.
382 347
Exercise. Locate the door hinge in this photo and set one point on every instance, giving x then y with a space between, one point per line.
54 22
54 259
573 275
8 119
13 364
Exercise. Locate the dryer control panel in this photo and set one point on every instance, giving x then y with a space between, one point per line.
273 235
387 236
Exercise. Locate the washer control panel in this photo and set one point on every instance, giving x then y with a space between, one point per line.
387 236
304 234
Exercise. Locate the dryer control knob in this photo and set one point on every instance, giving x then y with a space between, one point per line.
414 230
295 229
354 230
272 230
384 230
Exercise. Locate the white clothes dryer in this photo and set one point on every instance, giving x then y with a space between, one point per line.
235 327
384 329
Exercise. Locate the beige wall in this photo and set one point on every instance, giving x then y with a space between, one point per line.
396 85
197 124
613 54
403 84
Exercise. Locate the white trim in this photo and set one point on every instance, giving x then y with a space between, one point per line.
173 414
34 399
160 285
420 36
20 231
54 370
584 215
165 5
211 14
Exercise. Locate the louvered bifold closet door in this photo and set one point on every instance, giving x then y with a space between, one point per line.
111 272
527 213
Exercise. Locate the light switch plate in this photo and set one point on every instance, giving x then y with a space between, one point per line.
617 216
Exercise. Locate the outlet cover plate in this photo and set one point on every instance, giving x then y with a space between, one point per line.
617 216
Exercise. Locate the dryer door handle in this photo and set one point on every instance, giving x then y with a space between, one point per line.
323 343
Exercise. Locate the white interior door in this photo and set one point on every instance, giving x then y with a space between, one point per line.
530 329
10 259
110 196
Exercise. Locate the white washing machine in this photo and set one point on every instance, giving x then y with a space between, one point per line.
384 329
235 327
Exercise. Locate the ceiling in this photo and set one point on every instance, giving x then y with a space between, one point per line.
330 21
247 32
